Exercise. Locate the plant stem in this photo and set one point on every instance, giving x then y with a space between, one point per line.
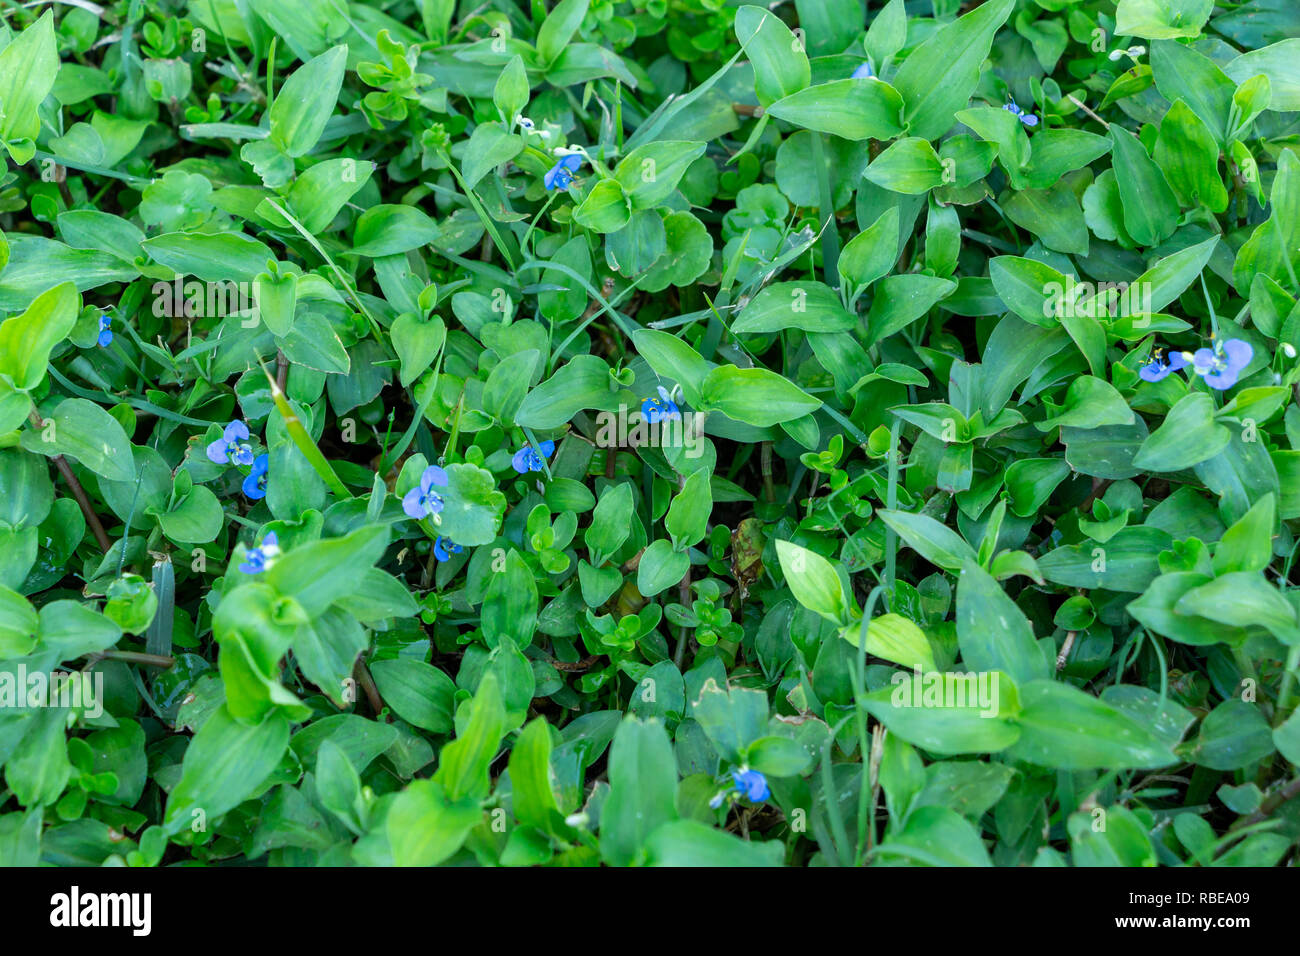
78 492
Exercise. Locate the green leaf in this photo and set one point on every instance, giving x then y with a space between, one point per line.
780 64
83 431
935 542
1189 435
582 383
755 396
992 632
491 145
29 65
909 166
673 359
558 28
1063 727
1161 19
317 574
1029 288
680 843
1233 736
464 763
305 103
1127 562
389 230
27 339
473 506
642 783
894 638
532 784
605 209
419 693
949 713
211 258
936 836
224 765
871 253
1278 62
1242 599
811 306
1123 841
660 567
1248 544
1150 208
1090 402
852 109
688 515
938 77
650 173
813 581
425 827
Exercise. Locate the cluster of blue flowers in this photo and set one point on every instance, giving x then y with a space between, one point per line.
1220 365
235 448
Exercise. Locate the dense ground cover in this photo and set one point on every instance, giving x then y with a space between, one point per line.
671 432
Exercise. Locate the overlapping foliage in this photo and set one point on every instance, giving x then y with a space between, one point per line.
964 533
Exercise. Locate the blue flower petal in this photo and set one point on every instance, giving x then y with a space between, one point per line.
413 503
235 431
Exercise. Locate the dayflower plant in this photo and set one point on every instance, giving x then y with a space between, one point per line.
560 176
658 409
422 501
525 221
255 482
444 548
233 447
1222 363
748 784
528 458
1029 119
260 558
1161 364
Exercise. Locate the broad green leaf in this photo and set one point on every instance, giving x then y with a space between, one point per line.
27 339
1066 728
304 104
852 109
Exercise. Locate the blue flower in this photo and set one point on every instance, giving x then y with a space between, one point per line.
232 448
1161 364
527 459
444 548
864 72
422 501
751 784
263 556
255 483
560 176
105 329
1029 119
1221 365
657 409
